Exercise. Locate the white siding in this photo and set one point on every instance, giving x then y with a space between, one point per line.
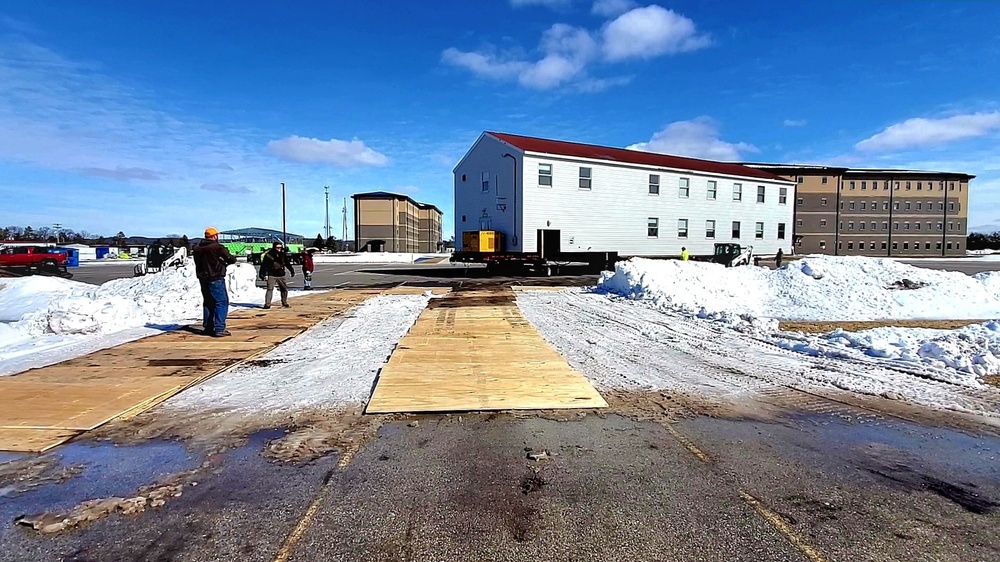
613 214
494 209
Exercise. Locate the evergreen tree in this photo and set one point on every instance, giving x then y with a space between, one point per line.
29 233
319 242
185 243
333 244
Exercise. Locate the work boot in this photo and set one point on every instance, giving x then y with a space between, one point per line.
222 334
267 306
286 305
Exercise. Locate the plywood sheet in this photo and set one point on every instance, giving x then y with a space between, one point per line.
33 440
457 358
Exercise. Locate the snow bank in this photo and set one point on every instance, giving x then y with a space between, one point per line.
376 257
813 288
958 356
40 314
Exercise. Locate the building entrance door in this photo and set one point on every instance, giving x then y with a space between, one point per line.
548 243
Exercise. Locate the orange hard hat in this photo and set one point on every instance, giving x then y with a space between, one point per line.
211 231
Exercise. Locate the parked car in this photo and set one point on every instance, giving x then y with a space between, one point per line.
34 259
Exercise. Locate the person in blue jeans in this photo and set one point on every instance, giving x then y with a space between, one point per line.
210 261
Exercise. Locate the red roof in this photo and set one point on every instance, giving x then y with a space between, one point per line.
579 150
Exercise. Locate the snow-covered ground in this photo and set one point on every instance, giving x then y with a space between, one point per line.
331 365
812 288
621 343
44 320
377 257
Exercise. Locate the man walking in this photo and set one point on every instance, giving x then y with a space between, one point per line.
272 268
307 268
210 261
684 254
777 258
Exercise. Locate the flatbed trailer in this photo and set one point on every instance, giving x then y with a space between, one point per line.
550 264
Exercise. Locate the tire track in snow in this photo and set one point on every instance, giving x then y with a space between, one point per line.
622 344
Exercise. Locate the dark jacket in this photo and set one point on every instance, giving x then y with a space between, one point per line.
307 264
211 259
274 264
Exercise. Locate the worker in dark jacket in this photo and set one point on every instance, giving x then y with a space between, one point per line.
777 258
210 261
272 268
307 269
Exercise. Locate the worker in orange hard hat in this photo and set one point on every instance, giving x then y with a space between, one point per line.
210 261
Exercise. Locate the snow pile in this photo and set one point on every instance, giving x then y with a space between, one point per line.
813 288
377 257
169 296
45 320
955 356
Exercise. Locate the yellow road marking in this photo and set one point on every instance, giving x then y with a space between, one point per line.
778 523
688 444
285 552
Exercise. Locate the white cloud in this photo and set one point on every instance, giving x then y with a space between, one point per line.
795 122
609 8
226 188
344 154
554 4
921 132
566 52
697 138
649 32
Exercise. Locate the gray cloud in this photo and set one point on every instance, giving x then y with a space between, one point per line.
122 174
226 188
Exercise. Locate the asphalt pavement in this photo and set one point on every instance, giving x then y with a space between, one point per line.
818 488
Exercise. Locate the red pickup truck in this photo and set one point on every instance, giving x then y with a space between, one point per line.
34 259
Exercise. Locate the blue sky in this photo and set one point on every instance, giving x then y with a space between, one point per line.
158 118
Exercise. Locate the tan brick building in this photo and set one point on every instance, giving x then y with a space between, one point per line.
873 212
390 222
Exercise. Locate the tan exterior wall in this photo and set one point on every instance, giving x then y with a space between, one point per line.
398 222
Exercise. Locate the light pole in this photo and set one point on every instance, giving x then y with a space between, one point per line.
326 194
284 229
58 227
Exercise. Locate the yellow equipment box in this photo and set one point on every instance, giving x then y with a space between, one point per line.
482 241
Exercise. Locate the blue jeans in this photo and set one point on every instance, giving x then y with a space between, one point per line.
216 306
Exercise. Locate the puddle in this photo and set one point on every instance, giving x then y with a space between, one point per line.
108 470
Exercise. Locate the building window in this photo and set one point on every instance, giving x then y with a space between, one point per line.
951 186
738 192
654 184
800 179
885 205
852 185
906 226
781 231
886 186
760 193
736 230
585 178
927 245
874 227
884 245
895 206
920 186
850 205
937 246
822 202
685 187
823 180
850 245
759 231
896 186
861 225
822 243
712 189
907 205
941 207
928 226
799 201
798 222
885 225
958 245
895 226
850 225
822 222
920 206
951 225
951 206
940 226
485 176
916 226
895 245
907 186
653 227
682 228
545 175
906 245
864 185
871 245
782 195
709 229
864 205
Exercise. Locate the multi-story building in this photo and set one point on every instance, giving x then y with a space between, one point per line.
875 212
390 222
588 198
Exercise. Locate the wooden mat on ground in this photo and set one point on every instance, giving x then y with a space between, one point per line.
44 407
472 350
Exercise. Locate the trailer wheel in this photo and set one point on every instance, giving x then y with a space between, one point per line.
49 267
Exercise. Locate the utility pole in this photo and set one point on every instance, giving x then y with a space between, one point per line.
58 227
345 224
284 229
326 226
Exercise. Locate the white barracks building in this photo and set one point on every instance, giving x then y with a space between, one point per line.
601 199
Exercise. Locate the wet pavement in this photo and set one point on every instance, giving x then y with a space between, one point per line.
463 488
